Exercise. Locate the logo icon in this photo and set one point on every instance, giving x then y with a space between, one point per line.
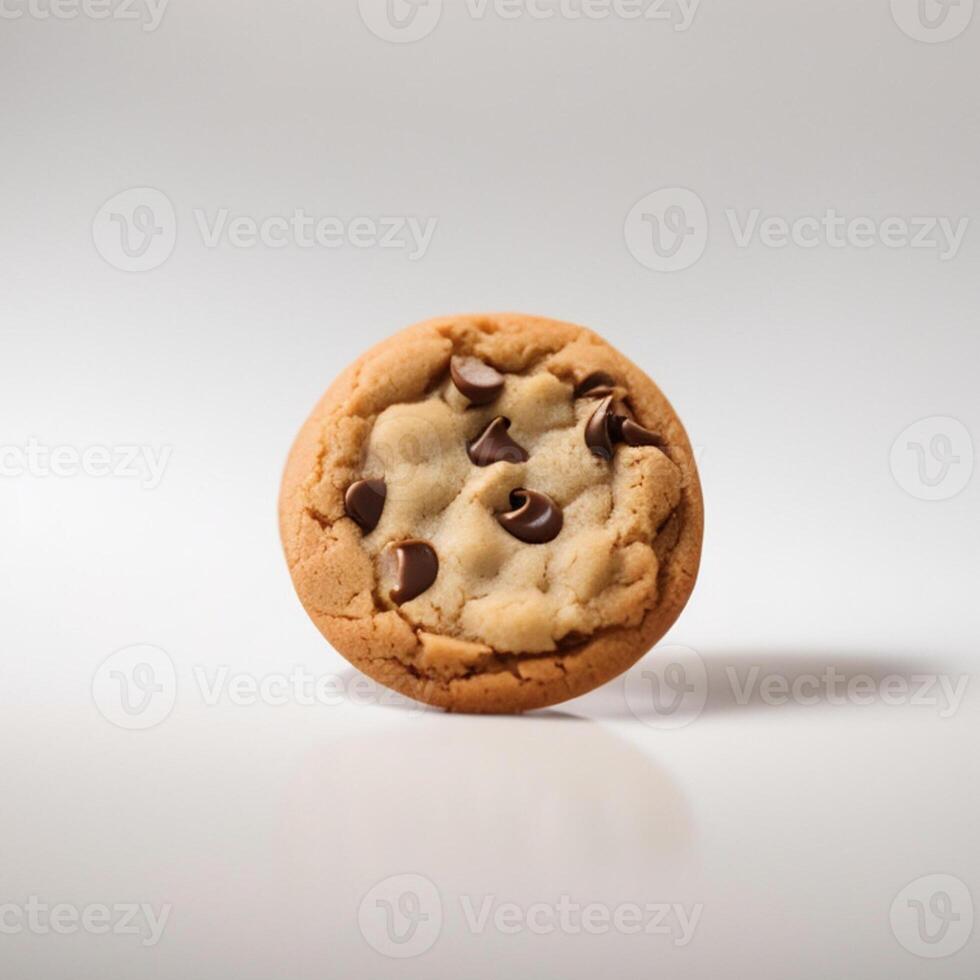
401 917
136 687
410 449
932 459
671 690
932 21
401 21
136 231
667 230
932 916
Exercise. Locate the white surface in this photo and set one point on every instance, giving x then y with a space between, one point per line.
798 834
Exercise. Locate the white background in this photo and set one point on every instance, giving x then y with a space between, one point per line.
793 827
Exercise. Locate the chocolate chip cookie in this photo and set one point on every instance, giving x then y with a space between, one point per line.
492 513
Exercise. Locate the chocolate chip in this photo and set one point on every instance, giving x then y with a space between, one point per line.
633 434
494 445
416 570
476 380
607 427
364 502
599 429
535 519
596 385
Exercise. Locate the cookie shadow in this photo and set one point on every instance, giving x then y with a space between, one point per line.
748 680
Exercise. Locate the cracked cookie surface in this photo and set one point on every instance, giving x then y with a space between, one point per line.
453 528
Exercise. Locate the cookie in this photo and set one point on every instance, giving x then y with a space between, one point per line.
492 513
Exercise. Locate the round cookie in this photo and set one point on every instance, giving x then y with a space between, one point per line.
492 513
